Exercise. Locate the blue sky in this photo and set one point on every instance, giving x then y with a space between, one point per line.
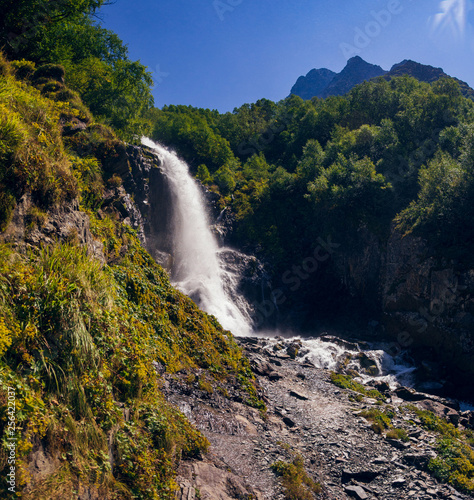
220 54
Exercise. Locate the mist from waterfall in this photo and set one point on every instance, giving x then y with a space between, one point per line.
196 269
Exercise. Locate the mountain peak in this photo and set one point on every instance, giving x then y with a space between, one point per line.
313 84
420 71
355 60
356 71
323 82
426 73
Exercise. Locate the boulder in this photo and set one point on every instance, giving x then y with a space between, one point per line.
293 349
367 364
409 394
356 492
441 411
298 395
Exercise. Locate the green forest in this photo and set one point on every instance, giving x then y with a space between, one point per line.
387 154
76 335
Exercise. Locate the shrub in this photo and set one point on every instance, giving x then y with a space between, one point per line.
297 485
455 461
23 69
380 420
50 72
348 382
5 67
400 434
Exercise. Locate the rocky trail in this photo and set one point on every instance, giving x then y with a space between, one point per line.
308 416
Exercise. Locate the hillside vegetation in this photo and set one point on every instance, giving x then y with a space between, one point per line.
83 343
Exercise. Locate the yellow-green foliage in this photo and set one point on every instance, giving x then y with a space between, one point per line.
400 434
297 485
5 66
348 382
32 155
79 341
455 461
23 69
381 420
89 177
5 337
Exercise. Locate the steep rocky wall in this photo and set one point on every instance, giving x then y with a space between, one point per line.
422 302
64 223
429 304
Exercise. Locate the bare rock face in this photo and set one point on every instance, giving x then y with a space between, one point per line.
65 223
42 464
208 482
425 303
429 304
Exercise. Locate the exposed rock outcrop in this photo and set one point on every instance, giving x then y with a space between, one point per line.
66 223
425 303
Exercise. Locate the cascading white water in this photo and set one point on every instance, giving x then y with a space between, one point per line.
196 269
331 353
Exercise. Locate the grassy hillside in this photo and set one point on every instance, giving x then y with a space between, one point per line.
83 344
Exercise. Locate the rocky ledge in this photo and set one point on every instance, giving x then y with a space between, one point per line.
338 434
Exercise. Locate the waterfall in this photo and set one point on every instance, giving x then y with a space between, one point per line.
196 268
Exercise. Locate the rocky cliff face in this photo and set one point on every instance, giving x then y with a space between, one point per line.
429 304
424 303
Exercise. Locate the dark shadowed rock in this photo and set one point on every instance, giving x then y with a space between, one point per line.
275 376
418 460
365 475
409 394
313 84
289 422
398 482
298 395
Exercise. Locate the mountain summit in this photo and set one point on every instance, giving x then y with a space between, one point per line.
357 71
425 73
323 82
314 83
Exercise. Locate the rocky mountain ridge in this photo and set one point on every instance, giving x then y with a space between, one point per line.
318 82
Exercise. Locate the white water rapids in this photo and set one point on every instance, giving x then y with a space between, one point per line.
370 361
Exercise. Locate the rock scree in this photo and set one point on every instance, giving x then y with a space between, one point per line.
309 417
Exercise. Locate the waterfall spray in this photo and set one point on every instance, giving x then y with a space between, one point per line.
196 269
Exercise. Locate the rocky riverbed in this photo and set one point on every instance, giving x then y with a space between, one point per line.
308 416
